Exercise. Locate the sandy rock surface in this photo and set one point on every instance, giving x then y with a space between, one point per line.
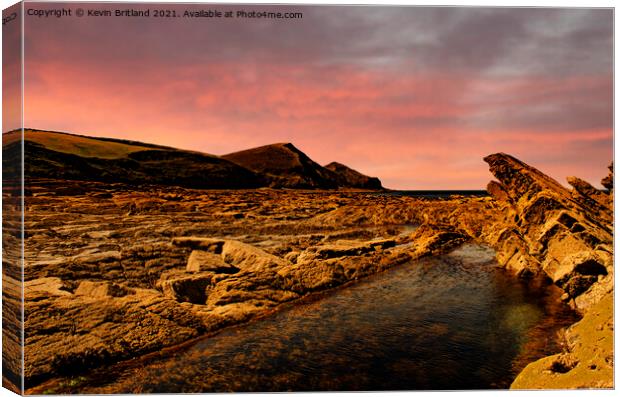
115 271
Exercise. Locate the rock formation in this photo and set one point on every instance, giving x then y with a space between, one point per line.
346 176
608 181
114 271
567 236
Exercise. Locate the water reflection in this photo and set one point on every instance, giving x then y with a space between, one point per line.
451 322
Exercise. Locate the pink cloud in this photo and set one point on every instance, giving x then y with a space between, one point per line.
359 117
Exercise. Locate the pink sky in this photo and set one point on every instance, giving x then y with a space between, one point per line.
414 96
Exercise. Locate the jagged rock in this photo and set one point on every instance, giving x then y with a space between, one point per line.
551 229
513 253
428 241
200 261
344 248
200 243
67 334
44 287
518 179
101 289
292 256
98 257
585 189
589 196
187 288
497 191
234 254
249 258
567 236
608 181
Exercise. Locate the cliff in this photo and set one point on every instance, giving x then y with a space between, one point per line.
567 236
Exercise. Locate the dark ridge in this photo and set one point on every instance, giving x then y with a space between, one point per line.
349 177
164 167
285 166
279 165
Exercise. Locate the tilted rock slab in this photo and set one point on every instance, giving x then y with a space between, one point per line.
567 236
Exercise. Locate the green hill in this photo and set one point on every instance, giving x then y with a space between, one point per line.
60 155
73 157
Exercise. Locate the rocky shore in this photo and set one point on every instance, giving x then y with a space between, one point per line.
540 228
567 235
113 272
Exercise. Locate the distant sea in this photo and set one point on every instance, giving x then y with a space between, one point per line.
435 193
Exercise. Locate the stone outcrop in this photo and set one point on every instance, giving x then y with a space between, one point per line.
200 261
115 271
566 235
608 181
67 333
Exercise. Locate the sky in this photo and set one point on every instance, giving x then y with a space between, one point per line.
415 96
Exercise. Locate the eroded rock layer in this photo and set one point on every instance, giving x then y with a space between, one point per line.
549 228
567 235
114 272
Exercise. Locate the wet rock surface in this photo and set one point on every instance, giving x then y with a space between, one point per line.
113 272
451 321
587 361
567 236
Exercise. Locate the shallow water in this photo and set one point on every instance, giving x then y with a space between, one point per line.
441 194
450 322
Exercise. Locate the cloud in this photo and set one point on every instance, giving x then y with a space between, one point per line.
11 69
416 96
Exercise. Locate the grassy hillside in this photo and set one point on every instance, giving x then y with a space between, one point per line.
76 144
66 156
59 155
